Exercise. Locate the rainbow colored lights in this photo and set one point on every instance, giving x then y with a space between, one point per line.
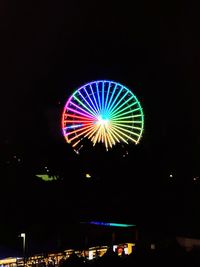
103 112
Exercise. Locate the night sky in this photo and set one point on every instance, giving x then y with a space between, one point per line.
50 49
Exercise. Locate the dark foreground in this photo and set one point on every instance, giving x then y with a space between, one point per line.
177 257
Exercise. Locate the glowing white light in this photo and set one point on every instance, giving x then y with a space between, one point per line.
101 121
23 235
126 251
90 255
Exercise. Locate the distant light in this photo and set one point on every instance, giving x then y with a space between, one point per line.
126 251
23 235
90 255
46 177
170 175
114 248
74 126
110 224
88 175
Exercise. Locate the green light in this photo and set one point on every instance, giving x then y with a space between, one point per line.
122 225
46 177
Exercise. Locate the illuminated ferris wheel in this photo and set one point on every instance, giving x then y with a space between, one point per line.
102 112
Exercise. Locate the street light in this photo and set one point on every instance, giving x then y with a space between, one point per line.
23 235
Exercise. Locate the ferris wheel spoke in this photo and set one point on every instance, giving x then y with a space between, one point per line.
115 99
110 100
106 141
116 118
94 98
118 134
124 134
127 112
96 136
125 108
95 108
75 144
129 122
102 93
100 137
92 110
81 112
73 126
126 130
108 91
112 136
120 100
83 105
126 102
72 116
100 134
85 126
97 90
109 142
105 137
127 126
138 122
77 121
81 133
92 132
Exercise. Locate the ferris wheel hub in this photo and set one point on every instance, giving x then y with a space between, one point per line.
102 120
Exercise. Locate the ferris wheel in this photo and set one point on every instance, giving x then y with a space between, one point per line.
104 112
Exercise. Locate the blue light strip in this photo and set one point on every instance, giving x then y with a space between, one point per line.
73 126
97 87
108 91
110 224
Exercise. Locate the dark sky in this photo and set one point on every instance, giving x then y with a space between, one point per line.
49 49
